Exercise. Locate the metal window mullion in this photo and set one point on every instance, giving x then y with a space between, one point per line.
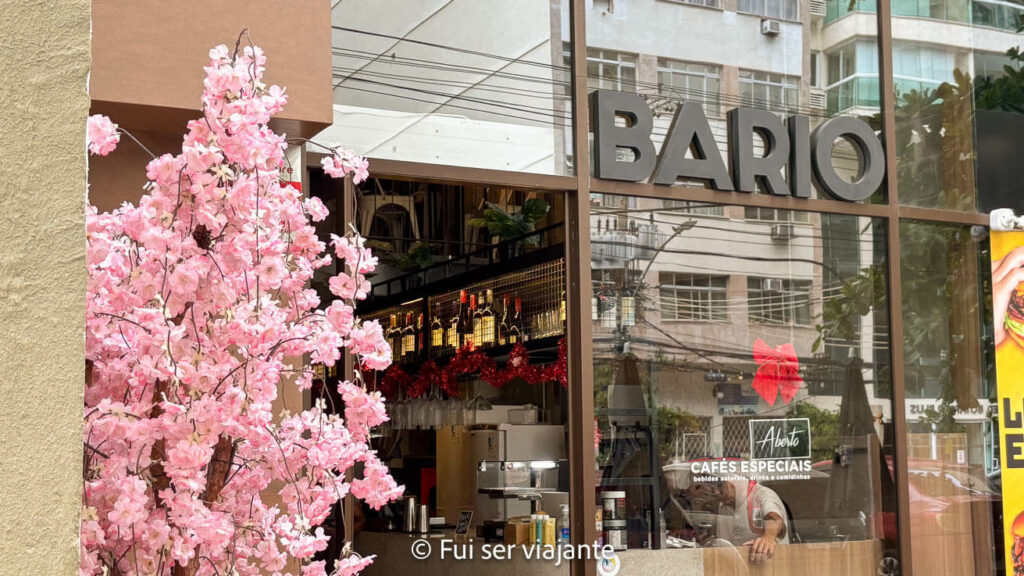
888 104
582 477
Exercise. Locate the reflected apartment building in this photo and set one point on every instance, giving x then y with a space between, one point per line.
814 58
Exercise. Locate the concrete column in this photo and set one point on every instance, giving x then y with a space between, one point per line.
647 73
45 56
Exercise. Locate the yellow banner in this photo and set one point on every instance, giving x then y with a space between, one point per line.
1008 309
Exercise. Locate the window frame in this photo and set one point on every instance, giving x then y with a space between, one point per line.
789 10
757 79
711 100
710 310
786 299
579 343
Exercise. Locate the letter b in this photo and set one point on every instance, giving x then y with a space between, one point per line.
605 105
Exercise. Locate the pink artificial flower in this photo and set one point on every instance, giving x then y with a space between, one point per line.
316 209
379 359
275 99
334 167
367 339
363 410
346 162
314 569
352 565
345 286
101 134
340 316
376 487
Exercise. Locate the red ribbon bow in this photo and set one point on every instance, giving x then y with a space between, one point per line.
778 372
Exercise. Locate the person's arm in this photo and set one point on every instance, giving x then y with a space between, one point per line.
764 546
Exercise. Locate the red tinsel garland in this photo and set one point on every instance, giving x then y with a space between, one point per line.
518 367
467 361
559 371
395 379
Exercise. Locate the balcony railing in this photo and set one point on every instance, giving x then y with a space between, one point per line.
992 13
855 91
997 14
862 90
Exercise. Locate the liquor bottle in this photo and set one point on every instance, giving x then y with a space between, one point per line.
408 337
421 337
504 327
475 331
453 336
561 312
437 331
515 332
393 337
487 321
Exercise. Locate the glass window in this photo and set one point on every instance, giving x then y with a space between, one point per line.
815 69
674 52
708 3
769 91
996 14
611 70
689 411
955 506
693 297
689 81
774 215
782 9
687 207
952 98
469 289
779 301
453 84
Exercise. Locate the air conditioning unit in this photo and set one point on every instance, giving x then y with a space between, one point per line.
771 27
818 8
771 284
782 232
819 99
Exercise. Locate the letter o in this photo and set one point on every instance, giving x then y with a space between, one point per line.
870 157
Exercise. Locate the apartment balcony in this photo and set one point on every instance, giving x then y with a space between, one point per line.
612 248
997 14
860 93
853 92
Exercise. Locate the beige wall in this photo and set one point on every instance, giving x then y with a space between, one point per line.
148 57
147 74
44 55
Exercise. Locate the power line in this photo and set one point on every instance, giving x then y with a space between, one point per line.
449 105
451 48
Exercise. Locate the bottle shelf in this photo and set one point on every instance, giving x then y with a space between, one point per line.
526 305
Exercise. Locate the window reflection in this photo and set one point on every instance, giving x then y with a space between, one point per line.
953 464
460 83
747 400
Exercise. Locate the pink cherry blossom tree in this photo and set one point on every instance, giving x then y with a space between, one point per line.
199 310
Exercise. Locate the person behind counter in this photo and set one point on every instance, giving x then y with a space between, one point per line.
748 513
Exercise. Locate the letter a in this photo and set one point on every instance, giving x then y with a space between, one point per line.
690 131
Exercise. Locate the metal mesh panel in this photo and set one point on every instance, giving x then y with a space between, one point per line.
541 293
736 436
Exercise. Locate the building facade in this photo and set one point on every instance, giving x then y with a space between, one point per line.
710 362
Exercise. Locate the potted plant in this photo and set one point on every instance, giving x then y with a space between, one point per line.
516 227
418 256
